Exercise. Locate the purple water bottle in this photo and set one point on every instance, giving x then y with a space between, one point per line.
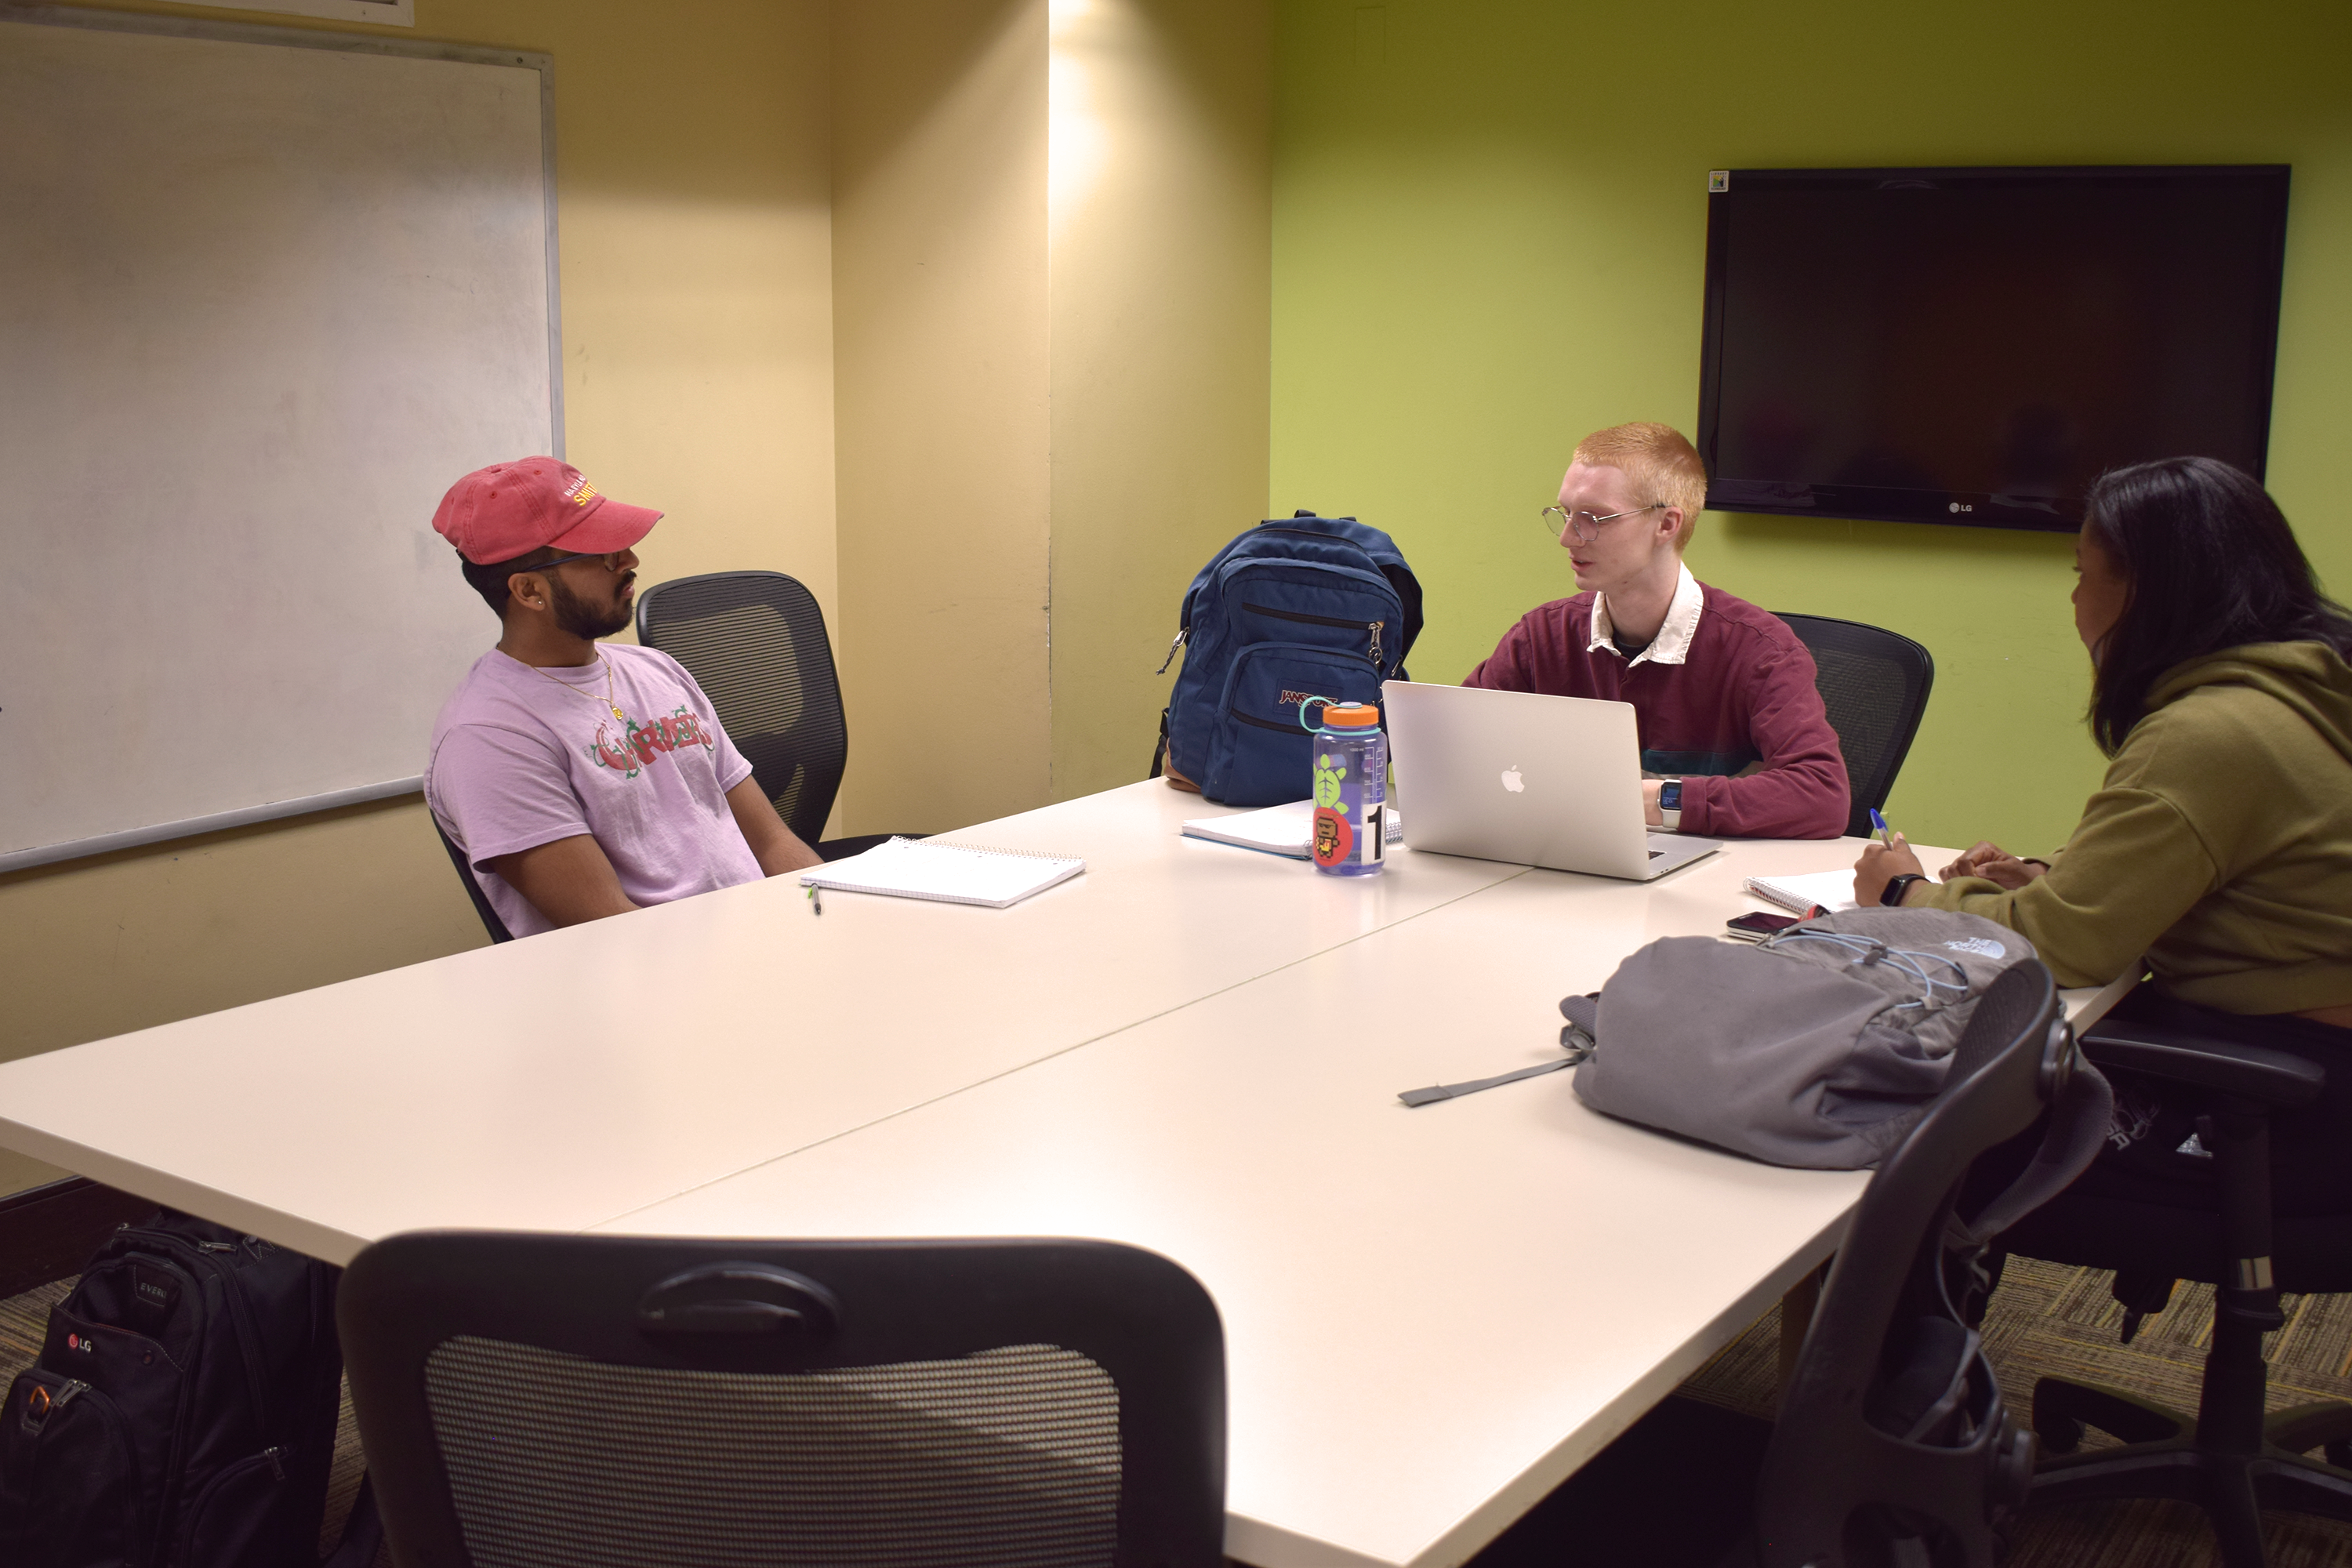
1351 787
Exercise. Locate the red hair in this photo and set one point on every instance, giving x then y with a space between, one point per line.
1658 461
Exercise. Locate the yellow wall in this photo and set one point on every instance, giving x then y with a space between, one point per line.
692 156
1162 310
940 396
1489 239
1052 296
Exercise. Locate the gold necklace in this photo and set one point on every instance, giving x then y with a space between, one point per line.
618 717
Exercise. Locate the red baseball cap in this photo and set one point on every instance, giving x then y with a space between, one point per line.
507 509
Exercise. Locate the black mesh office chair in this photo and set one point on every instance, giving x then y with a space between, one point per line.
755 642
1893 1417
608 1402
1894 1446
1875 684
490 922
2229 1458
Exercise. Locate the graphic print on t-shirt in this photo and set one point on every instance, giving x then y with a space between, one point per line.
641 744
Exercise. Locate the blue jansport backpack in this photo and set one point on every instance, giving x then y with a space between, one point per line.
1296 607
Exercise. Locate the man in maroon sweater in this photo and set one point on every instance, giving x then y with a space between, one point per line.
1723 692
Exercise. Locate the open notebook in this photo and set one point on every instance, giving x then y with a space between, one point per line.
945 873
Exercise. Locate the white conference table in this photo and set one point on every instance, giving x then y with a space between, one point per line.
1431 1315
553 1082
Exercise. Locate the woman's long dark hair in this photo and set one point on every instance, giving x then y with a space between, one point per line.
2211 564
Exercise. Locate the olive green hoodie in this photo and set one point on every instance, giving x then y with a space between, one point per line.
2219 844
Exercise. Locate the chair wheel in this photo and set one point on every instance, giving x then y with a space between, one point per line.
2339 1454
2059 1434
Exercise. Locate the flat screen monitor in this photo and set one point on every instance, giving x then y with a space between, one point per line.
1977 345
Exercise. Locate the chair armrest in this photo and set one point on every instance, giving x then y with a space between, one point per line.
2253 1072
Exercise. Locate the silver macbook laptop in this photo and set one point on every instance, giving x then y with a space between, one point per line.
1533 780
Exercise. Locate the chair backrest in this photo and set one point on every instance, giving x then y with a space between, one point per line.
482 906
1892 1424
755 642
623 1400
1875 684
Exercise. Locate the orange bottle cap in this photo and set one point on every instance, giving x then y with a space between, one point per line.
1350 716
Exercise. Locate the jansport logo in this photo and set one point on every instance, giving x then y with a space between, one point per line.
1292 698
1512 781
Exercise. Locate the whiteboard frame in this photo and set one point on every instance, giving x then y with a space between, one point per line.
344 43
379 13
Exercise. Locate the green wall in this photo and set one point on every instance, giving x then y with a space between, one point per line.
1489 238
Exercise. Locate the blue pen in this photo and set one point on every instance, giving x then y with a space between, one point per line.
1884 835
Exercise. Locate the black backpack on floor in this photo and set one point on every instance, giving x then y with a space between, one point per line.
183 1412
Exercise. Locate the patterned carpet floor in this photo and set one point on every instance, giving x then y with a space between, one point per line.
2046 1320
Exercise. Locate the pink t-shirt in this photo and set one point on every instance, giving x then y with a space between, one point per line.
517 761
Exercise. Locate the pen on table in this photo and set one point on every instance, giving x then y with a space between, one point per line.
816 903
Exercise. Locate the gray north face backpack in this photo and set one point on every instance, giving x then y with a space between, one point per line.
1821 1047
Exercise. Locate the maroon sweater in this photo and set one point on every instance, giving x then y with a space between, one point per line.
1743 695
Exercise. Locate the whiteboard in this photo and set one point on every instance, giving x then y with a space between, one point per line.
264 295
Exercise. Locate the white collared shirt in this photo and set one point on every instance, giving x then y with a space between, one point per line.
1672 645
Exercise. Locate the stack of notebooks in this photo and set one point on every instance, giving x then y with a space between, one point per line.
1287 830
944 873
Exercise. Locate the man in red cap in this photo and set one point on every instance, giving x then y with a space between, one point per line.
582 782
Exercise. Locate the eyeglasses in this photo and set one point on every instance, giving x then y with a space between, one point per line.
607 556
1584 524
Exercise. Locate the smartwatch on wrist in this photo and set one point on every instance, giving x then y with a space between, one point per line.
1892 894
1670 804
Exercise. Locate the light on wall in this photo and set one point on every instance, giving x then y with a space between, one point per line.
1077 140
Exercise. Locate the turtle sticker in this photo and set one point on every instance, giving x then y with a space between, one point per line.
1329 770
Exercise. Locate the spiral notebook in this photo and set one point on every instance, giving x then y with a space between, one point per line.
1286 830
1831 890
945 873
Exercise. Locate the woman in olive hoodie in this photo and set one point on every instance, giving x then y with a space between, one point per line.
2219 844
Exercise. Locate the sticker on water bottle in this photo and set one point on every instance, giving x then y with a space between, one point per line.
1333 835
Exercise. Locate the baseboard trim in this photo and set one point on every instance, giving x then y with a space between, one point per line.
48 1232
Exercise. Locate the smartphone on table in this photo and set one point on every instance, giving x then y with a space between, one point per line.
1758 926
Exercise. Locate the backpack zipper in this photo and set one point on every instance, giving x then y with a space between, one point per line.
1172 647
1373 627
52 1403
248 1336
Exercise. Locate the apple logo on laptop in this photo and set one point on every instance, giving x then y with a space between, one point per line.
1512 781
